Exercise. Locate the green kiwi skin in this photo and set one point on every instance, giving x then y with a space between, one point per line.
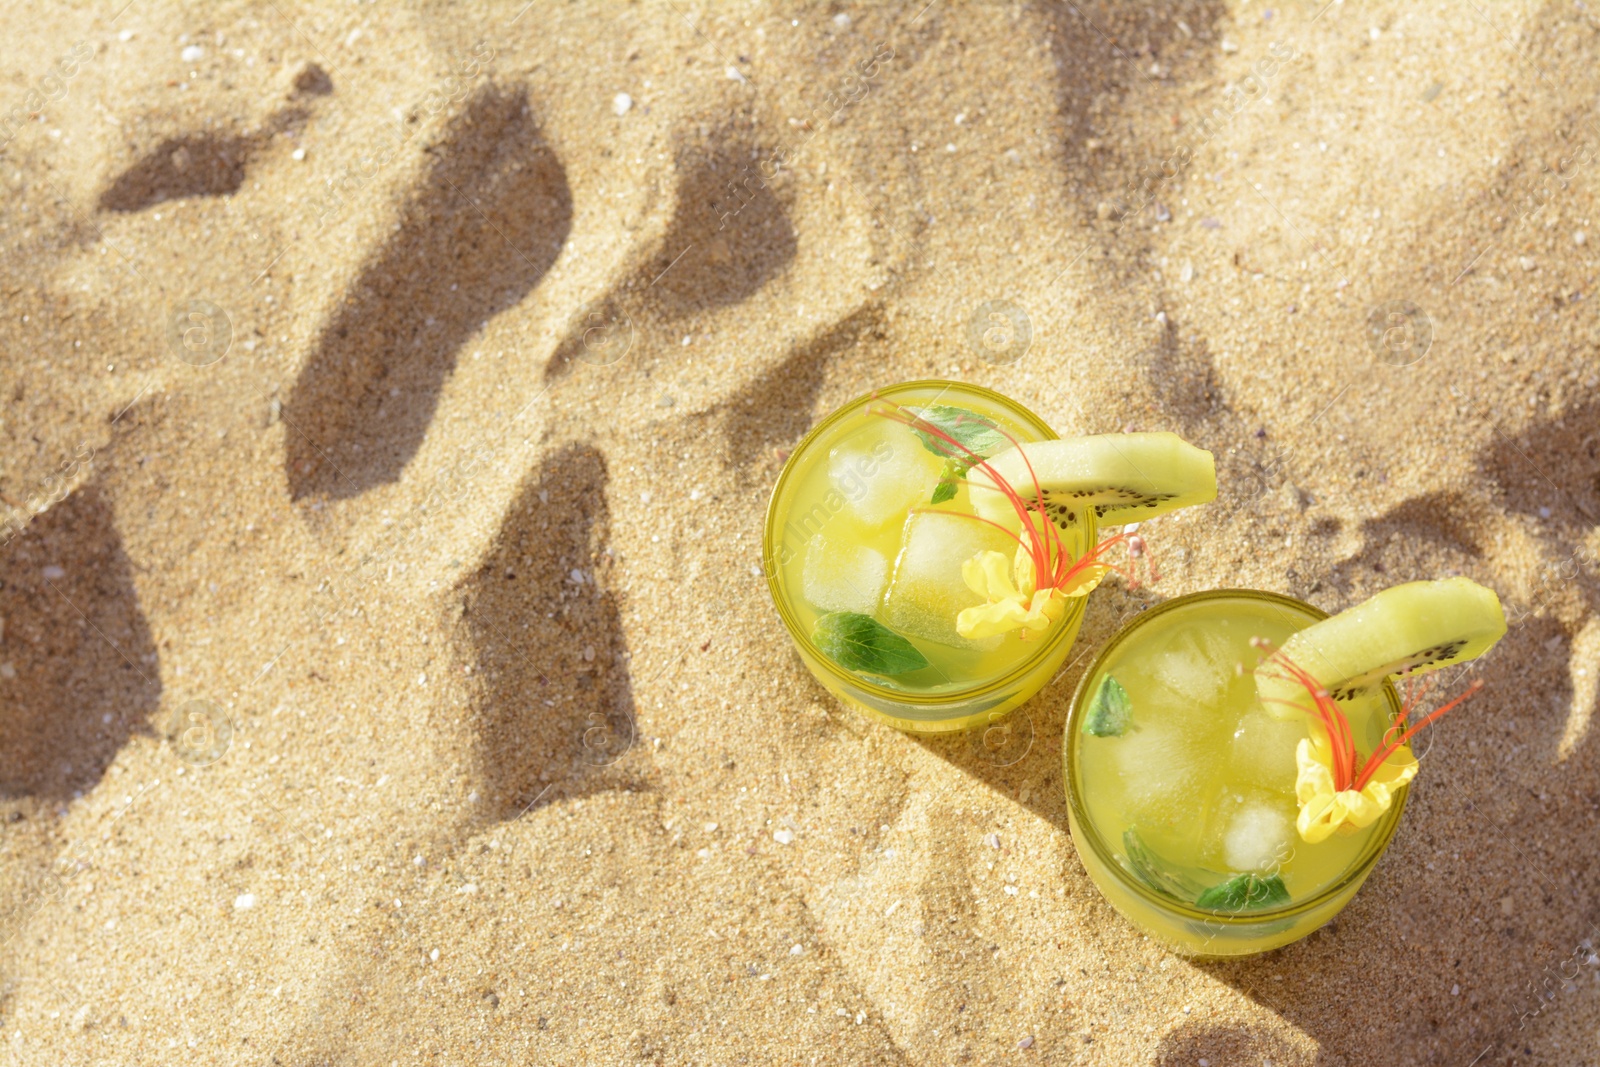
1469 622
1167 474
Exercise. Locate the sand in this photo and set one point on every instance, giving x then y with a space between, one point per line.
392 398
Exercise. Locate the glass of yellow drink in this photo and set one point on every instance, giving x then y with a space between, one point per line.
1181 783
859 529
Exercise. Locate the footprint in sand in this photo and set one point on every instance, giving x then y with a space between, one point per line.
78 660
478 232
80 676
558 701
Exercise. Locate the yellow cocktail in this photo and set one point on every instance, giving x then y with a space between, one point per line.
1236 765
853 529
930 545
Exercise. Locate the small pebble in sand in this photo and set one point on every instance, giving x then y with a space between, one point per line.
1578 238
1526 262
244 902
992 840
784 837
798 950
53 573
192 54
300 153
621 104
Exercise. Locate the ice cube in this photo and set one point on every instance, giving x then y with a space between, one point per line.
840 576
881 471
1160 774
1262 751
927 591
1257 837
1196 666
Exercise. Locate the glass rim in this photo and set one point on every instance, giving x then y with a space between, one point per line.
1064 627
1078 808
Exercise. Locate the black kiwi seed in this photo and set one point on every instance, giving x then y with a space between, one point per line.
1415 661
1064 516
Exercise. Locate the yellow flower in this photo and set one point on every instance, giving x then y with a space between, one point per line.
1325 809
1020 604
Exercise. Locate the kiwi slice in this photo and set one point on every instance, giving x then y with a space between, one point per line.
1124 477
1407 629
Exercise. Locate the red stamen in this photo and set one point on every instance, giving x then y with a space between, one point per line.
1038 550
1384 752
1051 532
1043 547
1341 743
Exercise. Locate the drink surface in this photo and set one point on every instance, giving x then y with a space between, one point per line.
857 531
1202 775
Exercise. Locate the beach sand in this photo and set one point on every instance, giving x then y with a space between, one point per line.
393 393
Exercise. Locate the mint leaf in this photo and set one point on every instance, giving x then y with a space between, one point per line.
1160 874
978 434
947 487
1241 892
861 643
1245 892
1110 711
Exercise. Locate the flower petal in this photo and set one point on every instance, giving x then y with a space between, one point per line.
1324 809
988 620
1083 582
986 574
